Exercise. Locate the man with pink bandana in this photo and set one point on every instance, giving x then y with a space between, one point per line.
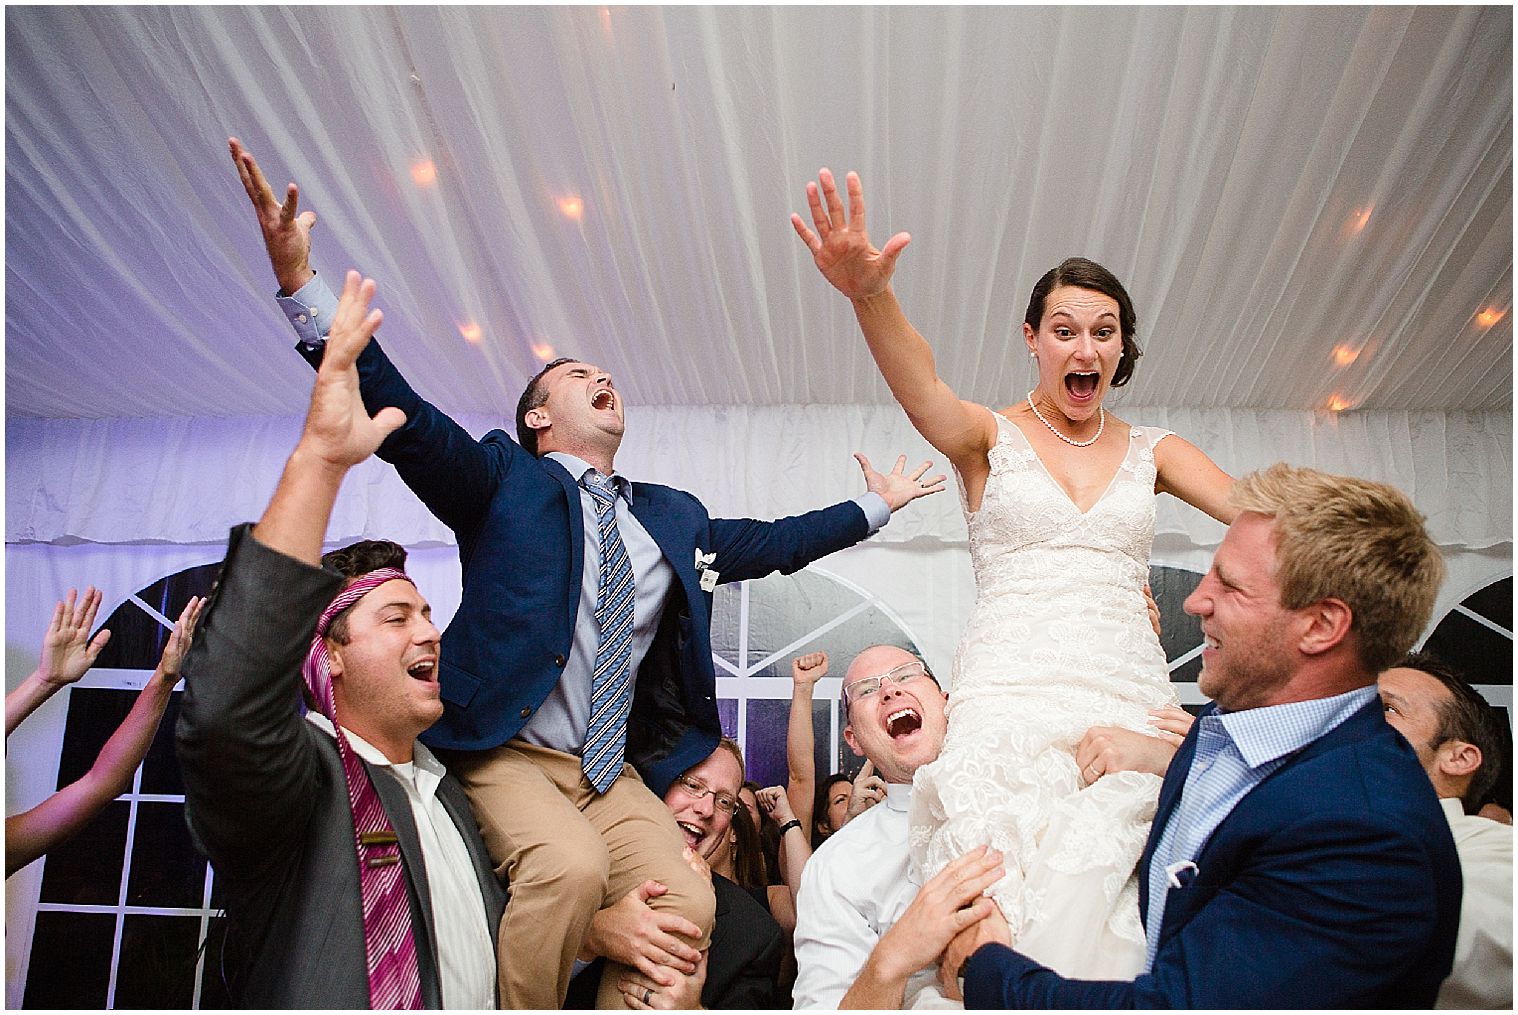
352 869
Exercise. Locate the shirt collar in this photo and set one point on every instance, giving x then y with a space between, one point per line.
577 467
1265 734
423 767
898 796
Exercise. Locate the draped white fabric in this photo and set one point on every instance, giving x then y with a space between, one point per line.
1306 203
187 481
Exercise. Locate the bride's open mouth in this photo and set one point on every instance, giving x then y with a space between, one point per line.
1082 385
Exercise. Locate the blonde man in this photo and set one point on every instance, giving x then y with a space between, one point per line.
1292 795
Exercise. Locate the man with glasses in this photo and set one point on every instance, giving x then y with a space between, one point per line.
739 969
866 935
860 922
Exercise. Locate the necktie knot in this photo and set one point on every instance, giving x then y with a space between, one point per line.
602 488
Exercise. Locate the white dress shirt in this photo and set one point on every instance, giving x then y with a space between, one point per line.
465 955
853 889
1483 972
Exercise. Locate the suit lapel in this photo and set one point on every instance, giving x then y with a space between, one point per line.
1170 795
672 537
571 486
1358 726
1251 811
457 806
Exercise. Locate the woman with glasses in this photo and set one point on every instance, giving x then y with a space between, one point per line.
1060 510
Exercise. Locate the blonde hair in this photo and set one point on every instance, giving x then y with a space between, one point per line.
731 746
1338 537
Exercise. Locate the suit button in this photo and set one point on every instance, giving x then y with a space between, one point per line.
558 661
526 712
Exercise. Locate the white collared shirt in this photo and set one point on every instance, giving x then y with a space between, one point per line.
465 955
1483 973
853 890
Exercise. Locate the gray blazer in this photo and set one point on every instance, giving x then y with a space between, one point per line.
267 804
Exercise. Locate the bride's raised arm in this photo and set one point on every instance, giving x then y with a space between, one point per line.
1183 470
962 431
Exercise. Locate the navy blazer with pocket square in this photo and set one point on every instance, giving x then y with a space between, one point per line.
1332 884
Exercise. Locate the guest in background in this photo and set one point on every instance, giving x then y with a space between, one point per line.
739 968
68 652
830 808
1456 738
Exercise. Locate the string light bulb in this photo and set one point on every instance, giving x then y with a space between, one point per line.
423 172
543 351
1345 354
472 332
1338 403
1489 316
572 208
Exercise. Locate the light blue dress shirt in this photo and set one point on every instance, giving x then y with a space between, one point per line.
561 721
1235 752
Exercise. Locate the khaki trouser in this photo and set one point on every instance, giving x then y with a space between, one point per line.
566 852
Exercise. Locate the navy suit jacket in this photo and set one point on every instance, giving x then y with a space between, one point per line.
1332 884
521 542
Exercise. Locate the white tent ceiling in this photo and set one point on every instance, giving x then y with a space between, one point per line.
1306 203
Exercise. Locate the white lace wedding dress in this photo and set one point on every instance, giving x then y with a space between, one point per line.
1059 641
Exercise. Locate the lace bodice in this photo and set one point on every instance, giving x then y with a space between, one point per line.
1026 519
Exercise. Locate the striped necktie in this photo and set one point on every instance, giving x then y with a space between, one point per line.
611 679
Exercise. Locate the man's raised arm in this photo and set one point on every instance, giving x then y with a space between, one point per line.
338 434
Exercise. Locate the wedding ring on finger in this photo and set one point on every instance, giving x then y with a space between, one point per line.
648 992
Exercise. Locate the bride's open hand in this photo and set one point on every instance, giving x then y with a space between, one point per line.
840 246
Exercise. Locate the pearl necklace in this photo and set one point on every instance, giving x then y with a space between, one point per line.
1101 424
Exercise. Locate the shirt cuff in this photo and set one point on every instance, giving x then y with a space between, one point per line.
310 310
876 511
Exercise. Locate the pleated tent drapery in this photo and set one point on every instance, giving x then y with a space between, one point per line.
1310 206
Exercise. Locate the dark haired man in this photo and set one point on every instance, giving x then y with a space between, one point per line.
1454 734
353 871
583 633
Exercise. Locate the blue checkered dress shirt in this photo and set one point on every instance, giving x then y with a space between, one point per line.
1235 751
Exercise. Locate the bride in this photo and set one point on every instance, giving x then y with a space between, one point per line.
1059 500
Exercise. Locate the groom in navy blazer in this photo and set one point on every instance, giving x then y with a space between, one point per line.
516 667
1298 858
